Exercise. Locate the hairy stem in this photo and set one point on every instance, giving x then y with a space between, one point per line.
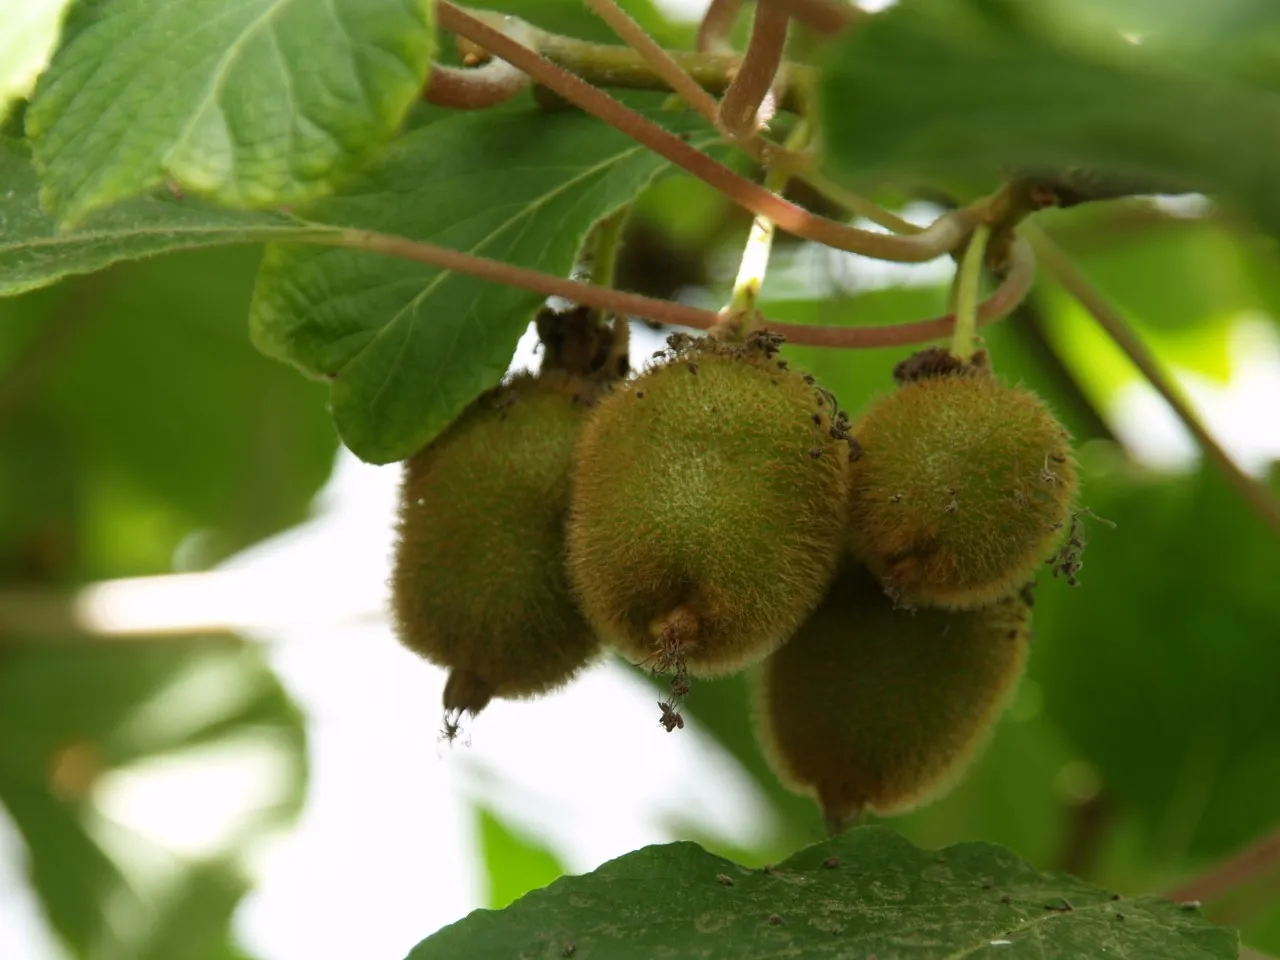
999 304
968 280
1259 858
634 36
717 24
941 237
1064 271
474 88
744 102
824 16
608 242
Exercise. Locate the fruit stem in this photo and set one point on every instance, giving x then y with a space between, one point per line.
1108 317
608 242
604 265
755 255
968 279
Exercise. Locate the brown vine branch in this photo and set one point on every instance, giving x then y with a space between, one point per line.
474 88
824 16
745 106
942 236
1259 858
999 304
610 65
653 54
717 24
1060 267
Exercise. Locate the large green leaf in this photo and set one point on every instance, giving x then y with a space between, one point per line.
146 398
406 345
35 252
253 103
880 897
945 88
514 862
1161 666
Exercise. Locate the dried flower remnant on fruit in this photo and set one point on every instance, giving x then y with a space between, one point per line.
478 584
870 707
961 486
701 529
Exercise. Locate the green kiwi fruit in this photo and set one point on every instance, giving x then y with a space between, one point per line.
962 487
479 584
709 498
870 707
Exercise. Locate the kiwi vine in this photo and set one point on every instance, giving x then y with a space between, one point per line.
718 511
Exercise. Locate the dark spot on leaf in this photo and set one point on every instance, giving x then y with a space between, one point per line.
831 862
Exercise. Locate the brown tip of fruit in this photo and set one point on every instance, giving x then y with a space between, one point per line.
938 362
467 692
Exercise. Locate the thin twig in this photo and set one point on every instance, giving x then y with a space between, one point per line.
741 106
474 88
1257 859
942 236
824 16
634 36
1074 282
717 24
999 304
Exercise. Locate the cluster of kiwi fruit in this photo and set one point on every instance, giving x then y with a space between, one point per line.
719 512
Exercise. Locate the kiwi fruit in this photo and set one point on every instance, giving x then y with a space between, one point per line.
870 707
708 507
479 583
962 487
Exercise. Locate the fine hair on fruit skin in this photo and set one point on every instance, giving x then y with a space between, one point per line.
479 584
870 707
964 487
709 503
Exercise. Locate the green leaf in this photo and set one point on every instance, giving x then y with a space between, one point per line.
939 88
34 252
514 863
255 103
158 415
1160 667
883 897
408 345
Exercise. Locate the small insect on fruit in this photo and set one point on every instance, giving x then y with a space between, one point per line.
872 707
962 487
706 520
479 583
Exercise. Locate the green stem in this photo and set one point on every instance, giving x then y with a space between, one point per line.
755 255
608 244
966 301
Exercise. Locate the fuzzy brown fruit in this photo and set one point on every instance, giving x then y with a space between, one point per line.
872 707
479 583
708 507
963 488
